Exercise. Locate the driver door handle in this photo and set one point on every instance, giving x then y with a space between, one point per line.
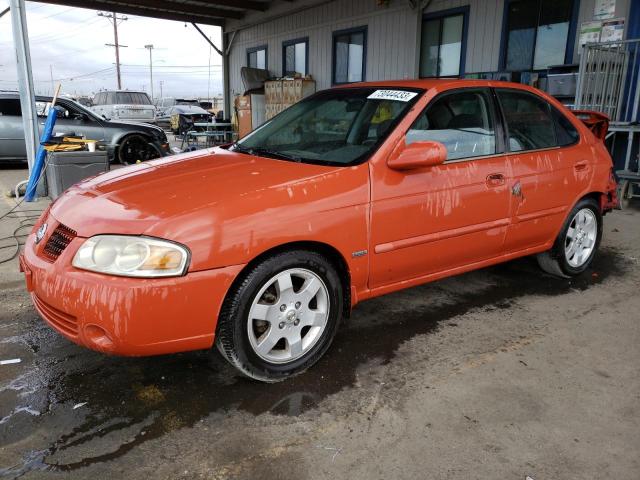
495 179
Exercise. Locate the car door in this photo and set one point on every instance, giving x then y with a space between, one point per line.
543 176
449 216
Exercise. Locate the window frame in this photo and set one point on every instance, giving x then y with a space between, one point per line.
569 47
295 41
496 117
441 15
348 31
264 47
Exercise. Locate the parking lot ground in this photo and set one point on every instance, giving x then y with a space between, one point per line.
496 374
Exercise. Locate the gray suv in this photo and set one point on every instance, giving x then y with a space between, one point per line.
126 142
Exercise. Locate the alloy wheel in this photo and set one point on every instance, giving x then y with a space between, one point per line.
288 315
581 237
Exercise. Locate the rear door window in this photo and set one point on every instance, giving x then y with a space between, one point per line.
528 121
462 120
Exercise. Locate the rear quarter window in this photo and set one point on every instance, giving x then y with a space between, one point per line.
566 133
528 121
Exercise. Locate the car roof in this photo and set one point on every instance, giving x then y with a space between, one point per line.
121 91
440 83
39 98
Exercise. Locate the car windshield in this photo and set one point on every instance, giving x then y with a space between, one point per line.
132 98
333 127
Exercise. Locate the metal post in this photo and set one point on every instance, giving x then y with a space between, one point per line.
226 83
582 74
25 78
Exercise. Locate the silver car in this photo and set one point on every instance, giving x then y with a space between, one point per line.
124 105
126 142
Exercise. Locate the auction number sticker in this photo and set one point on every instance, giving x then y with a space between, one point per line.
397 95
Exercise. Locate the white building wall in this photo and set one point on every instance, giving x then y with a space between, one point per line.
392 37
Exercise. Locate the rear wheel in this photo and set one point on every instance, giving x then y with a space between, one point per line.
576 245
282 316
134 148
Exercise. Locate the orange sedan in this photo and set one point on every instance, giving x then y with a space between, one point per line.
263 246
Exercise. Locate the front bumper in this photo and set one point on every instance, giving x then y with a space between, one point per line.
120 315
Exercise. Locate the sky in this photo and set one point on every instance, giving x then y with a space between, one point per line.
69 43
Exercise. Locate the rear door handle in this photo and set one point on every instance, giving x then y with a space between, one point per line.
495 179
581 165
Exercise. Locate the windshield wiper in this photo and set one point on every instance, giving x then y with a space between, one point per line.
274 153
264 151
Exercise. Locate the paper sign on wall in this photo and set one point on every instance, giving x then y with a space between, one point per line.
604 9
612 30
397 95
590 32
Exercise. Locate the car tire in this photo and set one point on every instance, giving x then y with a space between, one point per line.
274 324
576 245
134 148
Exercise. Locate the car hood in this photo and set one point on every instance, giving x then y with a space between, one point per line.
188 197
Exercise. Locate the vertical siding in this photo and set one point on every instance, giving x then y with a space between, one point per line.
392 38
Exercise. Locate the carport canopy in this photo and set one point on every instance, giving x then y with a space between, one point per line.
213 12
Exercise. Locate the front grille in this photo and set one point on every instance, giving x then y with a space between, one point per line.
62 321
58 241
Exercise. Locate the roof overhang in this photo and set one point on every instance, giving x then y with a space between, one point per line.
205 12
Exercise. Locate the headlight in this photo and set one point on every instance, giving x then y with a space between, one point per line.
131 256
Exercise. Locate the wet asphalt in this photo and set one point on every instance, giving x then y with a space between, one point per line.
500 373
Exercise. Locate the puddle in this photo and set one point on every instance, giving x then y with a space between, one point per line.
152 396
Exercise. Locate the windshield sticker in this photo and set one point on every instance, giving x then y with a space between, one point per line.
398 95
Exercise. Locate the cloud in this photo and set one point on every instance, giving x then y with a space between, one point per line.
69 44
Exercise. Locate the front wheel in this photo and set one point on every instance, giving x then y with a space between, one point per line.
282 316
577 243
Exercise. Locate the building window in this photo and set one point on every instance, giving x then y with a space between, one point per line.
257 57
536 33
443 43
295 57
349 55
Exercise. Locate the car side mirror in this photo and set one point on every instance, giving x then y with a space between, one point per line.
417 155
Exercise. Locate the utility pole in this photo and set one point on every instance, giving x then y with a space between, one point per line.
53 88
161 82
150 48
114 19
